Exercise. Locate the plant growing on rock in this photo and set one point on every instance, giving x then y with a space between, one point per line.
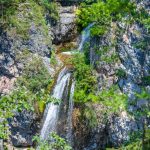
85 79
31 89
102 13
35 75
56 143
113 99
142 113
19 99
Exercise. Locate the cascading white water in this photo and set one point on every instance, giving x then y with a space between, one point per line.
51 115
85 36
51 112
70 111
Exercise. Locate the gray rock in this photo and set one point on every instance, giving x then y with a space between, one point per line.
15 51
120 128
1 144
23 127
65 30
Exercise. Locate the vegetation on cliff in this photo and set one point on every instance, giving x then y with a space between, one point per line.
103 13
32 89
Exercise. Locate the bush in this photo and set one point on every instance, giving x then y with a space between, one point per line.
35 75
56 143
19 99
85 79
121 73
102 13
31 90
113 99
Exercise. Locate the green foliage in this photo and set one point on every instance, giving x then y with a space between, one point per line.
143 44
85 79
114 99
136 142
144 109
90 115
120 73
7 8
86 87
19 14
53 59
102 13
146 80
56 143
147 139
31 89
19 99
52 8
35 75
143 18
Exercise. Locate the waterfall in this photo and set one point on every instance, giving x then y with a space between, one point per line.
85 36
70 111
51 112
58 118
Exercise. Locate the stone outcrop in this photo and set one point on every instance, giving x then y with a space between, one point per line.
65 29
15 51
107 131
23 127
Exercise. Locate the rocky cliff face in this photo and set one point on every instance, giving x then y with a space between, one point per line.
128 51
132 59
23 127
15 52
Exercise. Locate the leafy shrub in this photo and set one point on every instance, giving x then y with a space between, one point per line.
19 99
120 73
56 143
146 80
85 80
113 98
102 13
31 89
35 75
